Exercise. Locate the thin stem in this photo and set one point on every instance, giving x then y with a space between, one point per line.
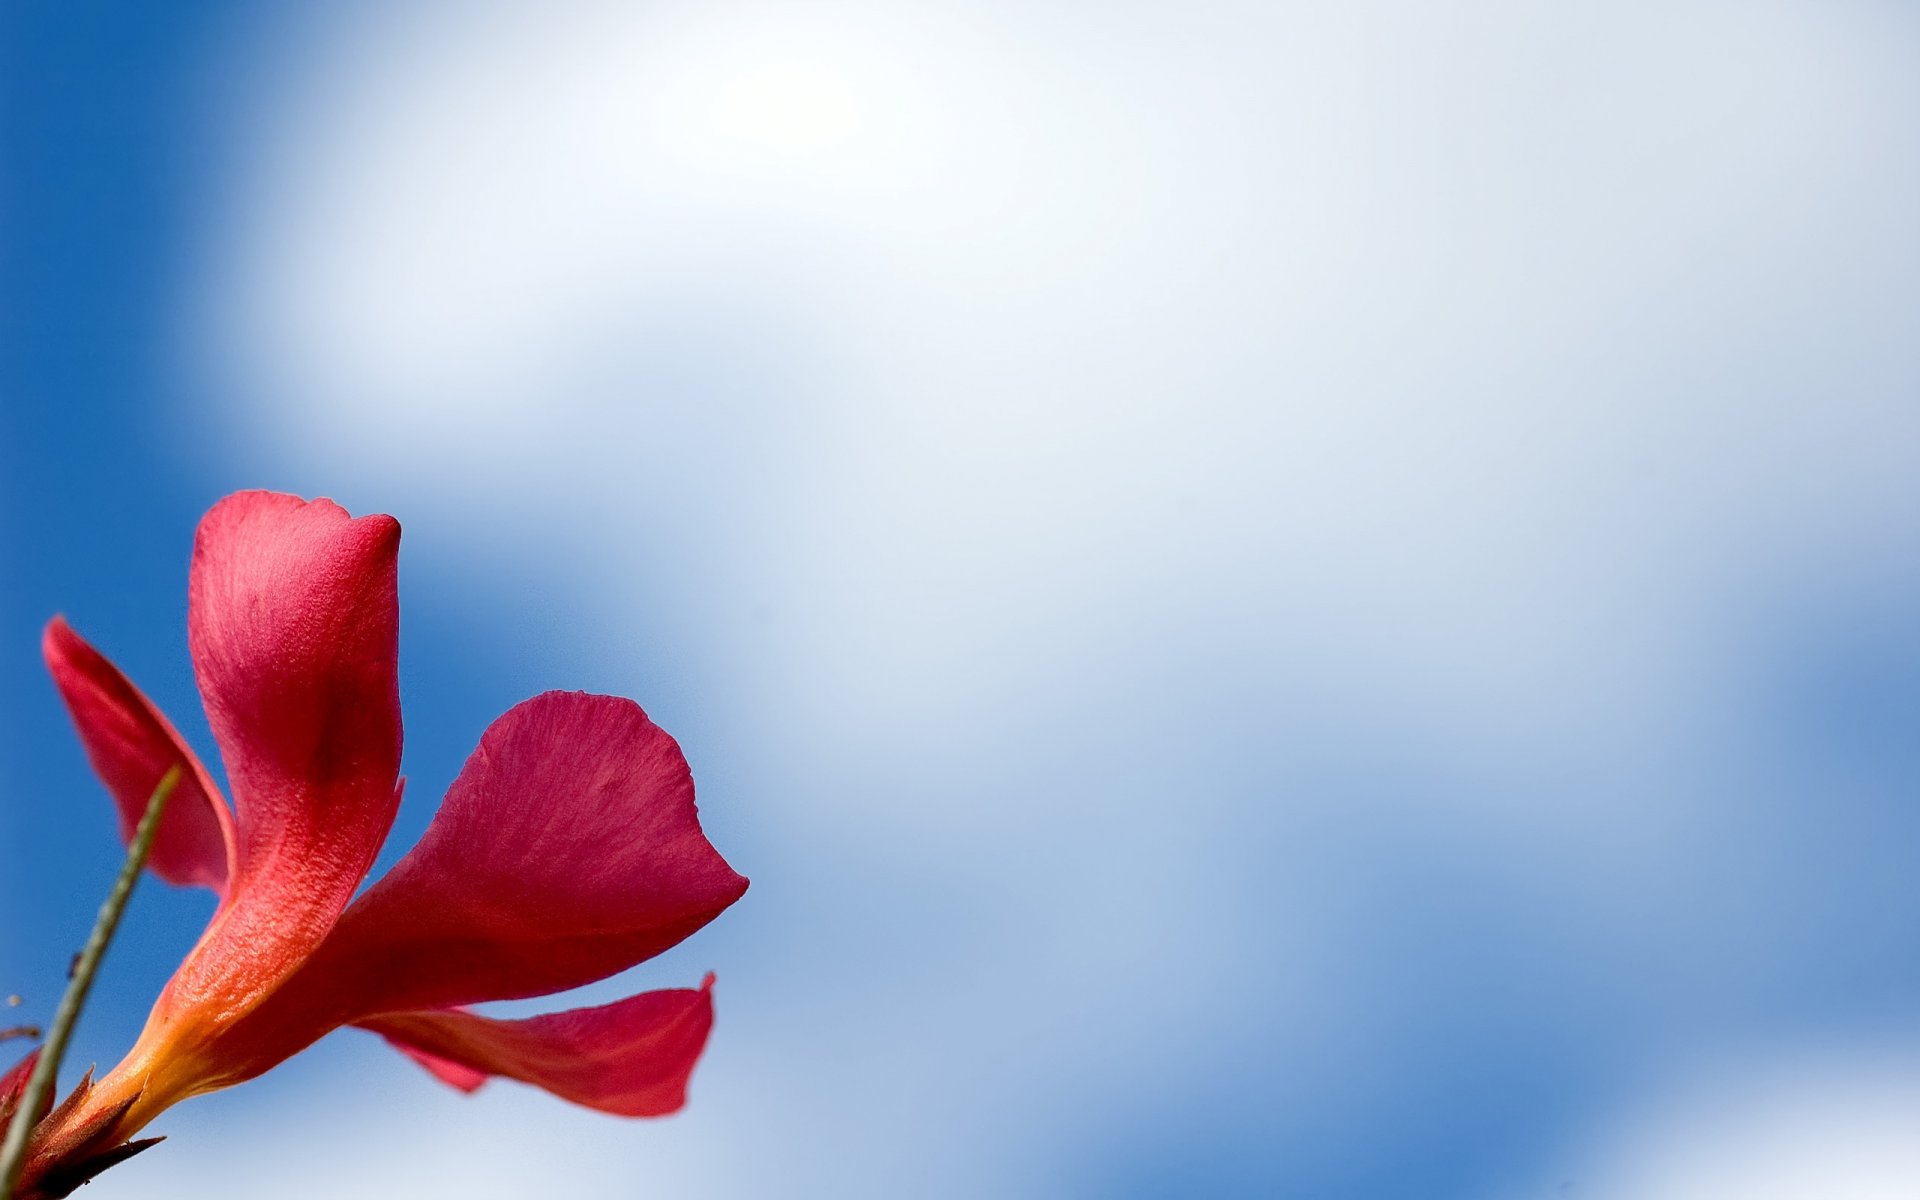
13 1153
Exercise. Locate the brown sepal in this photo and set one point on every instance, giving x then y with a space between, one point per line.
61 1156
63 1180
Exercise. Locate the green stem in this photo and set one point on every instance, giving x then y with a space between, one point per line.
39 1090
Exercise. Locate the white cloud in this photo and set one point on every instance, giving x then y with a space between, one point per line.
1056 438
1374 336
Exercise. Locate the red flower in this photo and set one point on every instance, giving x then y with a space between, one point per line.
567 850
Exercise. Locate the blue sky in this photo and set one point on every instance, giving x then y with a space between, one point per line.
1277 600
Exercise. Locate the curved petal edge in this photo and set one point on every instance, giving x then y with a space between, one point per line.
632 1058
131 744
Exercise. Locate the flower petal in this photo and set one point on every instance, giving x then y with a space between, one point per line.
131 745
13 1084
455 1075
631 1058
568 849
293 623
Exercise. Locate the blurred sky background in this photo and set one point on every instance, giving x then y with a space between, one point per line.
1280 600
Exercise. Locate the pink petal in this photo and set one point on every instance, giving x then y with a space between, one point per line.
631 1058
131 745
455 1075
293 624
569 849
14 1082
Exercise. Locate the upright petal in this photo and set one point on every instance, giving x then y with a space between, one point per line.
293 624
131 745
568 849
631 1058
